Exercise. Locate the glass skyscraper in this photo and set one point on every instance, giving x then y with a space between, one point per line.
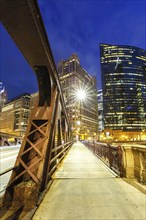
123 71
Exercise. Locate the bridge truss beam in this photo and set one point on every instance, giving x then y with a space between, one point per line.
47 138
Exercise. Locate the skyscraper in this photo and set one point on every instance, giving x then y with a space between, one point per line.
3 95
123 71
100 110
80 94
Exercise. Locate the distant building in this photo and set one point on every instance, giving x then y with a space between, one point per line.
80 94
14 115
33 100
3 95
123 71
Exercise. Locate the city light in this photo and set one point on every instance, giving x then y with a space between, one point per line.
78 122
81 95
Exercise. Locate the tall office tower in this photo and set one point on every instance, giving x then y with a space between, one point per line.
80 94
3 95
14 115
123 71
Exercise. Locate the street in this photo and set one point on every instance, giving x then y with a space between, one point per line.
7 160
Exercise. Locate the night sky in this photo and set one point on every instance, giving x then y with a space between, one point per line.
75 26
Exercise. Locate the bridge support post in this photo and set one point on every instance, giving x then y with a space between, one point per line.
128 162
139 155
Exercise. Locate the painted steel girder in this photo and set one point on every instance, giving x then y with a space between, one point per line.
23 21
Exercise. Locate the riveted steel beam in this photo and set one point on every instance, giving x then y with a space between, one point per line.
48 126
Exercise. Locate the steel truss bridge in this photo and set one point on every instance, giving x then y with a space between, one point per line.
48 136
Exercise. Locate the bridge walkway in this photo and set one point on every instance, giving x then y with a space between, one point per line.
84 188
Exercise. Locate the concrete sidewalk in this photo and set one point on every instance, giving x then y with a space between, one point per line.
84 189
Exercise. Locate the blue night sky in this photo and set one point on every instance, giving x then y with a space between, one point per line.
75 26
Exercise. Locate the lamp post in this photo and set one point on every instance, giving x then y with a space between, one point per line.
81 96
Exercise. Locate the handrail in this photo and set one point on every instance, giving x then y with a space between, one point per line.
3 173
110 155
63 153
60 146
57 155
7 171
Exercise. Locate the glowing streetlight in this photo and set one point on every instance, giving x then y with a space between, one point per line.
81 95
78 122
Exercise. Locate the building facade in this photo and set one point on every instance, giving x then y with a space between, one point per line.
3 95
14 115
100 110
33 100
80 94
123 70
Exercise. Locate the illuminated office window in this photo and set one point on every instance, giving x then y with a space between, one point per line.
123 71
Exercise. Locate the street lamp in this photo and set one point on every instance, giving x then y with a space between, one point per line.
81 95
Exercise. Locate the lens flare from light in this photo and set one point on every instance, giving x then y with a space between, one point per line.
81 95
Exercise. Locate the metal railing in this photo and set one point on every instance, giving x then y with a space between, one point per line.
7 170
58 153
3 173
110 155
